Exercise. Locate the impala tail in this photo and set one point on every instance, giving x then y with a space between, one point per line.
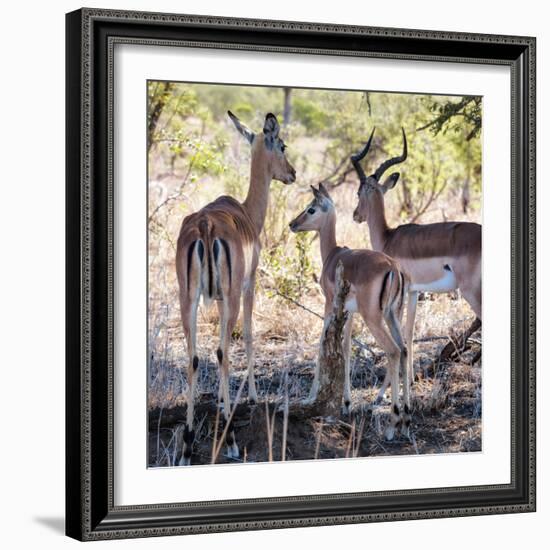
213 256
392 299
392 293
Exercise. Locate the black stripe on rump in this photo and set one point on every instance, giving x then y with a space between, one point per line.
384 283
225 245
189 260
216 251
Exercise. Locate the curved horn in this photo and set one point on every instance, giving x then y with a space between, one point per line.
391 162
358 157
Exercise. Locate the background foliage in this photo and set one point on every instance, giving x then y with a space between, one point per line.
195 155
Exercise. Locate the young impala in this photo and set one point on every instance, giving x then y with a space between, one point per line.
439 257
377 291
217 255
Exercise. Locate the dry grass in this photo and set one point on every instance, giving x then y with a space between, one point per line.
447 397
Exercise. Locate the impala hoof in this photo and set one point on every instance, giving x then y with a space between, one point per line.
185 461
252 395
232 451
389 433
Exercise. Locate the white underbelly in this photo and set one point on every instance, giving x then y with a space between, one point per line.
445 283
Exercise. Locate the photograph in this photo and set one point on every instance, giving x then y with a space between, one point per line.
314 274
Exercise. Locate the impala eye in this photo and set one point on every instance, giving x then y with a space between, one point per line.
311 211
283 147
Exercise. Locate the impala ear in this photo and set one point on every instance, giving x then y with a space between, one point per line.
271 126
324 191
316 192
390 182
246 132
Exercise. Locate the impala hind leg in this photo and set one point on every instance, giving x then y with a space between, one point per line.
393 323
409 334
230 313
393 354
189 306
470 288
459 344
248 306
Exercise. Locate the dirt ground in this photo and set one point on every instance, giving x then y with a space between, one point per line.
446 396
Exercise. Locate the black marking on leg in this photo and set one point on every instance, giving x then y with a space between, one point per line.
188 435
396 410
195 362
230 437
188 439
407 422
187 451
347 403
219 353
407 409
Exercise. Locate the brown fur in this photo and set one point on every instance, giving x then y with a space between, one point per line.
377 286
228 233
433 240
424 250
227 219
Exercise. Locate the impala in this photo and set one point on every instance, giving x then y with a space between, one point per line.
217 255
377 291
439 257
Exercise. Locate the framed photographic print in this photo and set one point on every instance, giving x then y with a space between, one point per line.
282 240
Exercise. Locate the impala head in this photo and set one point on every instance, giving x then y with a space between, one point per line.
370 188
316 213
268 149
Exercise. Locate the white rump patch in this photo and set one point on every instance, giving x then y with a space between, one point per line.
445 284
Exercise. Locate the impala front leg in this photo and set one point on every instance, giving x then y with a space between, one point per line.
394 356
312 397
230 308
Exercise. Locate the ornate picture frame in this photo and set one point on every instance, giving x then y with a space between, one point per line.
92 35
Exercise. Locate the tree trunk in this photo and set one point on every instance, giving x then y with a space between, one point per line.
156 106
287 107
465 199
331 355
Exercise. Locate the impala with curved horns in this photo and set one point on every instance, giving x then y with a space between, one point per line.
217 255
439 257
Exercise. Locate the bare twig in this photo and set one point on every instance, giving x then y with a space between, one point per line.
350 438
318 440
285 419
214 443
228 423
356 341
